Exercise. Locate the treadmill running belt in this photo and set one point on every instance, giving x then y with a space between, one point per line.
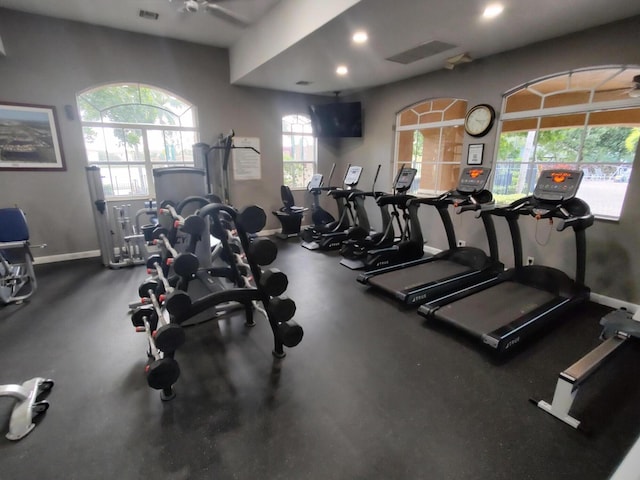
495 307
417 276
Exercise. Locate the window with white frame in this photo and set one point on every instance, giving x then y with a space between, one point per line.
429 138
585 119
298 151
130 129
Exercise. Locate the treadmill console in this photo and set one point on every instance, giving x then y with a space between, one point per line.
473 179
316 181
352 177
557 185
404 179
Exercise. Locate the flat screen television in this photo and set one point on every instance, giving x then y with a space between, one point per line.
336 120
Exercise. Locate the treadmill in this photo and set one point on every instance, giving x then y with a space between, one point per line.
502 312
419 281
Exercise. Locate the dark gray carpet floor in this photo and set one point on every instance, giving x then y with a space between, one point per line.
372 392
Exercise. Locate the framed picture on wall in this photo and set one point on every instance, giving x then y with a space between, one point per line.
475 154
29 138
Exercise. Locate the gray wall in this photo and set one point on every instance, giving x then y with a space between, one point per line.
48 61
613 267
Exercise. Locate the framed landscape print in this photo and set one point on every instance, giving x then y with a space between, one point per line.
29 138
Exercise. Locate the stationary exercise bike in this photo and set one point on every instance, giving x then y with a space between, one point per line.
18 283
17 278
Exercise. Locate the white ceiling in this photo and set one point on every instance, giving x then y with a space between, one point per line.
292 40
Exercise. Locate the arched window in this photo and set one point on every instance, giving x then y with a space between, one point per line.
129 129
298 151
429 138
584 119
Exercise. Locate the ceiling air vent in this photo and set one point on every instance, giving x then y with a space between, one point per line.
421 51
148 15
303 82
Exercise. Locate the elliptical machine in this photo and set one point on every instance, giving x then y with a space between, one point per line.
331 235
319 216
356 249
323 221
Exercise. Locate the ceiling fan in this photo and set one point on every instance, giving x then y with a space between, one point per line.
215 8
632 91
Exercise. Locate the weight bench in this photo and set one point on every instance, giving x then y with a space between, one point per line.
17 278
289 215
618 327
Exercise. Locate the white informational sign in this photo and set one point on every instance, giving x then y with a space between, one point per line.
246 160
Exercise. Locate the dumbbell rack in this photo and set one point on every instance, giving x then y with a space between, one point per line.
169 306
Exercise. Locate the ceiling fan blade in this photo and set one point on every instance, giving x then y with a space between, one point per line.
227 15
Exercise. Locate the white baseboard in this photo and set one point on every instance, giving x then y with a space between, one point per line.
614 302
64 257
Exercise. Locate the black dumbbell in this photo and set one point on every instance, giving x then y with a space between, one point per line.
169 337
273 282
185 264
290 333
152 260
262 251
148 284
281 308
193 225
162 373
177 303
252 219
137 317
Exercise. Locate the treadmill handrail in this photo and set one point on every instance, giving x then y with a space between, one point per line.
580 219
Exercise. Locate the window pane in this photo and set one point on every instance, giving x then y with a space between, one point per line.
451 144
188 118
125 180
133 145
602 143
605 192
523 100
608 156
449 174
188 141
297 175
157 149
567 98
121 150
513 181
408 117
143 114
457 110
560 145
115 140
298 148
94 144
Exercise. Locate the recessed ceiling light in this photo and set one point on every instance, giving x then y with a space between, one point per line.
360 37
493 10
342 70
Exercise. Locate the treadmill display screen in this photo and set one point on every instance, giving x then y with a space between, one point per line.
558 185
560 177
473 179
405 179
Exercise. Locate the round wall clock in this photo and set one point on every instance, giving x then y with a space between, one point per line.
479 120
